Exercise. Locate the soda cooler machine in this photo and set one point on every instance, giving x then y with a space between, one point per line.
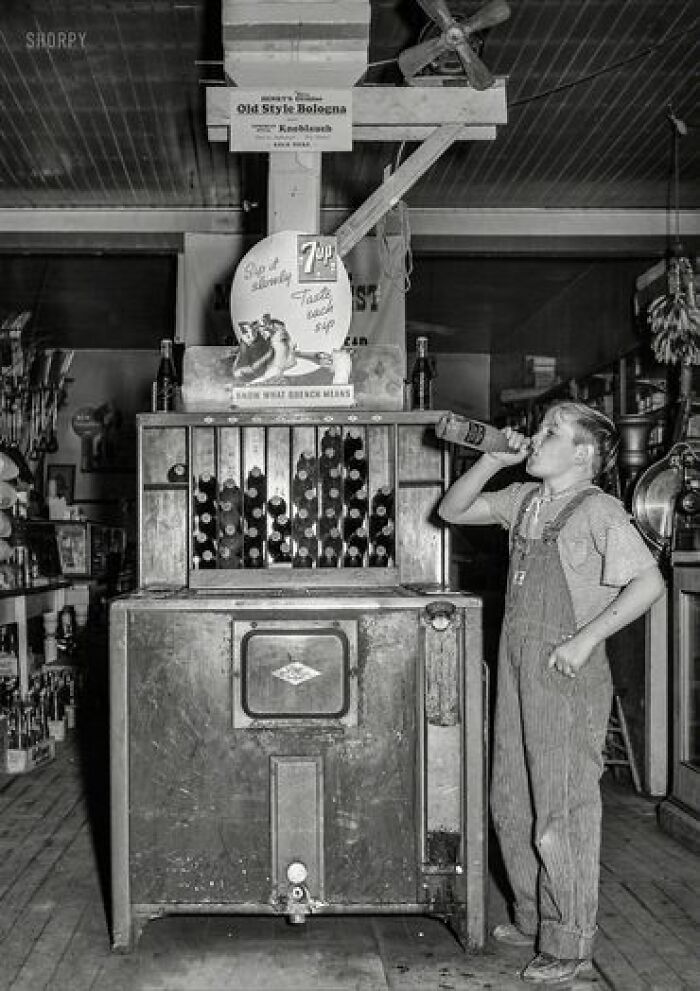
297 696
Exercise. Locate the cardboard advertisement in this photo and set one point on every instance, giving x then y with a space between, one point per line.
291 310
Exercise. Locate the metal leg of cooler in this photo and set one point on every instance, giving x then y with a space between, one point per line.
617 751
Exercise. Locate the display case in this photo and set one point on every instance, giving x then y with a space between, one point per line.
255 500
298 730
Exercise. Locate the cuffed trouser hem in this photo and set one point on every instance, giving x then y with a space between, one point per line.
527 923
566 944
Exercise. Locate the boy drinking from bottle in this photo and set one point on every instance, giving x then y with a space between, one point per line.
579 572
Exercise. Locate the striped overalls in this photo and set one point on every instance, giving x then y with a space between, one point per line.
548 739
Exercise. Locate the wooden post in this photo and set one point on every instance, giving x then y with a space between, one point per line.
294 192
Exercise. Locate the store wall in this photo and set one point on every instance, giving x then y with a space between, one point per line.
116 386
88 301
587 325
462 384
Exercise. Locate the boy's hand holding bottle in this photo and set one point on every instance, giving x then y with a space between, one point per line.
507 446
518 449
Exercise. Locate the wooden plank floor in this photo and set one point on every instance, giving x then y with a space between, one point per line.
54 925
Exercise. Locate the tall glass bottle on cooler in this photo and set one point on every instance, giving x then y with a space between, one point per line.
422 376
165 385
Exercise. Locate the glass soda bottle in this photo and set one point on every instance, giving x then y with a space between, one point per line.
422 376
166 380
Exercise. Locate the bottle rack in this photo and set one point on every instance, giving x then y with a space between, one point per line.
255 500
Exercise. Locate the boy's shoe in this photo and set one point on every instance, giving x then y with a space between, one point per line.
553 972
510 934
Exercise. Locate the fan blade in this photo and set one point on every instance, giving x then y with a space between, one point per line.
414 59
439 12
487 16
475 70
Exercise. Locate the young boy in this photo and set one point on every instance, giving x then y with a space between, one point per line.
579 571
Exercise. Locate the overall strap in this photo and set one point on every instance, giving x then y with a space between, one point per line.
522 509
554 528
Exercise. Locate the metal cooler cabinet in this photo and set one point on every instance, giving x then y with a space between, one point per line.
291 748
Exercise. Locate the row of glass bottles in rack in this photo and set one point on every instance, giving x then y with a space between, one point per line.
330 490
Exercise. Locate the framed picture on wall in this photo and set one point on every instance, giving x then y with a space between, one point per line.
64 477
72 540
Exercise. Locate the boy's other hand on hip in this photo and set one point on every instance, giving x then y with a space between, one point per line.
569 657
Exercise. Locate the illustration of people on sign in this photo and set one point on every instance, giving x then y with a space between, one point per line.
254 349
267 353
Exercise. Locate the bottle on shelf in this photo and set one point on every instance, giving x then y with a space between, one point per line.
302 519
306 462
333 496
302 482
379 558
165 385
276 506
354 481
307 539
358 539
253 557
352 521
353 444
378 519
385 538
206 485
256 517
203 504
231 551
229 528
256 488
302 558
230 507
230 492
253 536
331 478
308 500
284 525
352 557
279 548
358 500
422 375
331 449
383 498
204 550
177 473
357 462
332 537
328 558
330 518
205 523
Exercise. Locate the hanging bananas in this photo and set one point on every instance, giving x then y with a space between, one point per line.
674 318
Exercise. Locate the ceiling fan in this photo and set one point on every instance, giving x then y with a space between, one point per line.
454 37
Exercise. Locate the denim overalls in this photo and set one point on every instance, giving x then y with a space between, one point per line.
548 740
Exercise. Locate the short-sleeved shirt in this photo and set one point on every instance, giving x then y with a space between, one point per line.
600 549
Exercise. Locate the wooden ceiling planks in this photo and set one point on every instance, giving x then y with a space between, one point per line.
117 117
